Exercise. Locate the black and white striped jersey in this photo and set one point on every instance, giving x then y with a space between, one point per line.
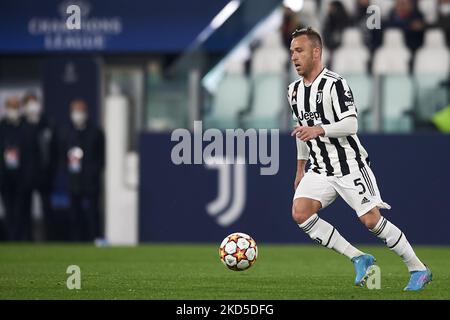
328 99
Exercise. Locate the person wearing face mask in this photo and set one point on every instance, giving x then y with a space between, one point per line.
46 160
16 171
84 155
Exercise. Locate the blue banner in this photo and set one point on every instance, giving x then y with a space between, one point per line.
113 26
70 78
201 203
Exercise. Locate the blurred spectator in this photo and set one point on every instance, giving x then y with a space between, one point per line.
443 20
372 37
410 20
336 21
46 159
17 149
361 11
288 25
83 150
309 16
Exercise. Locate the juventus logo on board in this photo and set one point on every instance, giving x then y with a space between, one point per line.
231 191
319 96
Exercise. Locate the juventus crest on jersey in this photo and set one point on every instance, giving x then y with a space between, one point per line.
328 99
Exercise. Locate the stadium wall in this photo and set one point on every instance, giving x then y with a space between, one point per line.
182 202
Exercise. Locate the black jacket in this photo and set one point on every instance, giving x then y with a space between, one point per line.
46 160
87 178
22 139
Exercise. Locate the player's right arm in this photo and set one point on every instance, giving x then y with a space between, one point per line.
302 158
302 148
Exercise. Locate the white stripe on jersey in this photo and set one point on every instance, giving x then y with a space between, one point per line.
328 99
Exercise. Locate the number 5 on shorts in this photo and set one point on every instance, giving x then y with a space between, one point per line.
359 183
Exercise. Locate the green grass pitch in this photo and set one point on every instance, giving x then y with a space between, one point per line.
191 271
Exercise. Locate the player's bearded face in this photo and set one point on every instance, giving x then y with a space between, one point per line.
302 55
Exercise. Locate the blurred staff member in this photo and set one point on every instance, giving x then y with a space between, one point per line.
84 156
46 160
17 172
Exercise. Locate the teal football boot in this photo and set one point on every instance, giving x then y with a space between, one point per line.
419 279
362 264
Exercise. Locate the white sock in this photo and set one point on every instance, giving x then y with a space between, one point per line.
397 242
325 234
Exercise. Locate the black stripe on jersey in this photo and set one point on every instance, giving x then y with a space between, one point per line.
294 96
306 105
319 106
326 158
341 94
313 155
336 118
340 150
355 148
368 181
341 155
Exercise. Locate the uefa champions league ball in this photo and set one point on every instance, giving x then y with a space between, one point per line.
238 251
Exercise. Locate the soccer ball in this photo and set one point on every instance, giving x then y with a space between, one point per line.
238 251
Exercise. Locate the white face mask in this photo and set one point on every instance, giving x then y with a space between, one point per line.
12 114
444 9
78 118
33 110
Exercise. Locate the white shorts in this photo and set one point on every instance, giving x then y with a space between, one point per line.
359 189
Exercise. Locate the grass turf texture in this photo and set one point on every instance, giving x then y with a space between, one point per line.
195 272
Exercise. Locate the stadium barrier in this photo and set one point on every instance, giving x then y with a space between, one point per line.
204 203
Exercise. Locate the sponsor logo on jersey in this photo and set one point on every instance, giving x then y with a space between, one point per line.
309 115
348 94
319 97
348 98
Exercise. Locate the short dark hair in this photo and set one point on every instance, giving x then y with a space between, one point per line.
312 35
